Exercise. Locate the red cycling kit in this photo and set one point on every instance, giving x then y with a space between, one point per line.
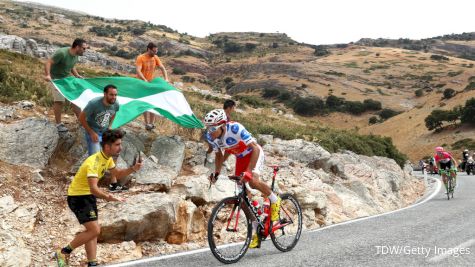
444 160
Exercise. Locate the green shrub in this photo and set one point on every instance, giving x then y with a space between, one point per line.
228 80
354 107
124 54
107 31
373 120
178 71
229 85
187 52
438 57
320 51
467 143
449 93
253 101
250 47
351 65
370 104
231 47
284 96
335 73
470 86
309 106
387 113
270 93
334 102
419 92
455 73
188 79
138 31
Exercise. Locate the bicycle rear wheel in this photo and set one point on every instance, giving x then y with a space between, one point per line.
229 230
286 238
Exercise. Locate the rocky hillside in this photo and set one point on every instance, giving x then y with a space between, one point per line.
457 45
169 198
265 70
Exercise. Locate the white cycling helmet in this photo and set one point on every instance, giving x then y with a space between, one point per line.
215 117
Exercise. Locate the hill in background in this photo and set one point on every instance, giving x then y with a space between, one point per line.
382 87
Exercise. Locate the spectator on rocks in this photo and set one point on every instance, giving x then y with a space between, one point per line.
83 191
229 106
61 65
146 64
96 118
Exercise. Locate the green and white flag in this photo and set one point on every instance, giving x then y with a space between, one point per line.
135 96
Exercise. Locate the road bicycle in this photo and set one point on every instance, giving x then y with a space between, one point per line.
230 224
450 182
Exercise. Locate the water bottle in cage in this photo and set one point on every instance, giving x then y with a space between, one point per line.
266 207
257 204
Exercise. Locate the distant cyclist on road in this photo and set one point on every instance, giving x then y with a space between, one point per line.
234 139
445 162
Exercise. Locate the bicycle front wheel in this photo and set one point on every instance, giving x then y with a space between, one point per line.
286 237
229 230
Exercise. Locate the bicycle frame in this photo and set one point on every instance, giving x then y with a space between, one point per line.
264 227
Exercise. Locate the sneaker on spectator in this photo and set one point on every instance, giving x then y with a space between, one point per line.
61 259
117 188
61 127
148 127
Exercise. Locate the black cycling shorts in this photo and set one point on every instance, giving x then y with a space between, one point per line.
446 166
84 207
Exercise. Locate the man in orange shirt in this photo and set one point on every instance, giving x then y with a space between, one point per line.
146 64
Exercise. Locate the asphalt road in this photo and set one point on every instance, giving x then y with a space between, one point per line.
434 232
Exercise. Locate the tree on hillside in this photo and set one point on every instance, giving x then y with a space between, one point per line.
468 113
435 119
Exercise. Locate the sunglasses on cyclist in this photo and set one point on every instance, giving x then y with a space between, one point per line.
213 129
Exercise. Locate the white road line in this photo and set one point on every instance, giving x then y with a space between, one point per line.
449 252
151 259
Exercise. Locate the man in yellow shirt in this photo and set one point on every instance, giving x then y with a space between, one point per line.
83 191
146 64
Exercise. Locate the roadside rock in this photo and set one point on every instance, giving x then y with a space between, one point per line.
22 145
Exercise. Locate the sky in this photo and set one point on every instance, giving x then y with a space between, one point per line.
311 21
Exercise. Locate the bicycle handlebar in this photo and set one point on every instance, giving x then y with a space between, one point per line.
237 179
